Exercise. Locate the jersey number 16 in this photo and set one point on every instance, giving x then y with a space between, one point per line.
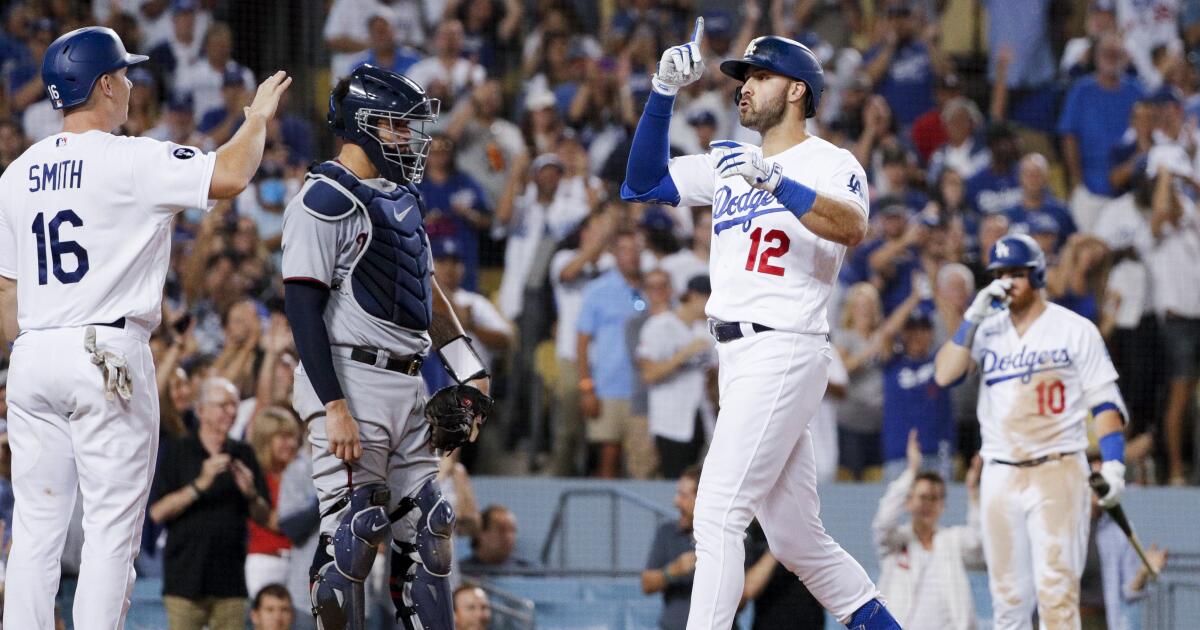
58 248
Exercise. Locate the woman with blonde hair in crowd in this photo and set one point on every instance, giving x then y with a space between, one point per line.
860 414
1078 280
275 438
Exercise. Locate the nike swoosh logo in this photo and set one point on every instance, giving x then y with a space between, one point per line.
375 529
400 215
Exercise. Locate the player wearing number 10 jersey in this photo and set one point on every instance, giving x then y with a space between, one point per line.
782 217
1043 370
85 237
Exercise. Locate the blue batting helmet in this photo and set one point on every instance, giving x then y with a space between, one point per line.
75 61
1019 250
781 56
374 100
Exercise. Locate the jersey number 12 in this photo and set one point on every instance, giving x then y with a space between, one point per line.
779 245
42 230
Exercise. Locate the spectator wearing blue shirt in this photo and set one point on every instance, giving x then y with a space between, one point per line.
995 188
1094 116
888 261
1129 156
220 123
457 206
1039 210
606 369
22 75
911 398
904 68
1018 31
384 52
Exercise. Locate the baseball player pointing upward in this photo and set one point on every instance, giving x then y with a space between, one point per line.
783 215
1043 370
85 235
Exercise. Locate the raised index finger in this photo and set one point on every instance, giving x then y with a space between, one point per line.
698 33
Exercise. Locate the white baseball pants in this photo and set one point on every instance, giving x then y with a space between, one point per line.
761 463
65 435
1035 533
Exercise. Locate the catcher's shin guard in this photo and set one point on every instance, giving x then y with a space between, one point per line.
345 560
420 585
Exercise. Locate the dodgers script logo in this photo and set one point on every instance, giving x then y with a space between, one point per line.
742 209
1022 364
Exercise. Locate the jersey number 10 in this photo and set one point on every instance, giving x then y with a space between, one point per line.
42 230
1052 397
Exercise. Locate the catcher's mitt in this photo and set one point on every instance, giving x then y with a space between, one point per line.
454 414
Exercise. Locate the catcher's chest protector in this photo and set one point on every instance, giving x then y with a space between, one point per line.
390 278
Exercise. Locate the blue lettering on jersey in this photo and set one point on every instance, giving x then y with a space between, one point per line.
1022 364
743 209
855 186
56 175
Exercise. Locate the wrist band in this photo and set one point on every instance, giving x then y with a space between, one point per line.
795 196
1112 447
965 333
195 489
461 360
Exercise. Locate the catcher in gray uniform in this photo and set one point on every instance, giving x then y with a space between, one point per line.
365 311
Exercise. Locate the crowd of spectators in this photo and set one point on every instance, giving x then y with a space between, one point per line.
1074 122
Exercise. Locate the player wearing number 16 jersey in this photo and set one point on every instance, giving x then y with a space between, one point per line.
1043 369
782 217
85 237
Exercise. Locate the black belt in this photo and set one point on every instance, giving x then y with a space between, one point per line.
410 365
728 331
119 323
1030 463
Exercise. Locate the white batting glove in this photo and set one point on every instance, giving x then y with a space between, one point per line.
736 158
113 367
680 65
992 299
1113 472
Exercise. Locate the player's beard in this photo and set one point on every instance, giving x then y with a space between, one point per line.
762 119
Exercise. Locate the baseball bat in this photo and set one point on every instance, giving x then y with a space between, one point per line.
1100 487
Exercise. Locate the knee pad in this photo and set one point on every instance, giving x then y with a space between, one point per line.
342 561
434 530
419 586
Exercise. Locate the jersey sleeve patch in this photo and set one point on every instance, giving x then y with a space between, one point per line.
326 201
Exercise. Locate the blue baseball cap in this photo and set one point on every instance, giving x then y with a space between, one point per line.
180 102
184 5
232 76
446 248
702 117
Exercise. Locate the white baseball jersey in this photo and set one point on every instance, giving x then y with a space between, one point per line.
766 267
1034 388
85 225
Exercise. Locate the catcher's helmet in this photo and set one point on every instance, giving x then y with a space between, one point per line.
782 56
1019 250
75 61
375 97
